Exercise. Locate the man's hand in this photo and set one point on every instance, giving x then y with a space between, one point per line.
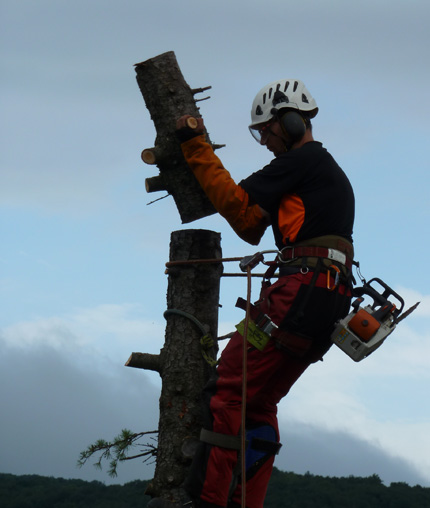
188 122
188 127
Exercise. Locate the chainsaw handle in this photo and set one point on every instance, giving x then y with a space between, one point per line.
369 291
378 298
389 292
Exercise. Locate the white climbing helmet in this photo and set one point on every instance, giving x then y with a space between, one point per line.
286 93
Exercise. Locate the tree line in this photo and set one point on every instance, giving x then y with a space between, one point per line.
285 489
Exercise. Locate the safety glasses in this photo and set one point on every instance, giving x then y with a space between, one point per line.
261 132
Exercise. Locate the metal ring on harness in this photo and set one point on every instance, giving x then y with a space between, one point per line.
281 259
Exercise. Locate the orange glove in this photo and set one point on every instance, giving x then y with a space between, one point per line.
229 199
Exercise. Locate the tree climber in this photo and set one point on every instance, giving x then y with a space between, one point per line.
309 202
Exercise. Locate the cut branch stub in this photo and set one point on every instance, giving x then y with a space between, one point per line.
155 184
149 156
145 361
167 97
192 122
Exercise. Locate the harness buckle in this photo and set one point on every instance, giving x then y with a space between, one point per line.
266 325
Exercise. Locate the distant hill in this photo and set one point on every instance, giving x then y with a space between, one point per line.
309 491
285 489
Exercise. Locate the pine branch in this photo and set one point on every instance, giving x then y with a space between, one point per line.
117 450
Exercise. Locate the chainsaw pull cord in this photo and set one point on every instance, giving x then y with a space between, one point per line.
244 388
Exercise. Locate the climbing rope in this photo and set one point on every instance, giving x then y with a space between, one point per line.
206 340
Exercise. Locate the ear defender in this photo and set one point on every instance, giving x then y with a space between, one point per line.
294 125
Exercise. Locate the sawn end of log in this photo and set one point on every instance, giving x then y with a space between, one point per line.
145 361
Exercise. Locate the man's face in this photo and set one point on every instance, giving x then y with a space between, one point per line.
272 137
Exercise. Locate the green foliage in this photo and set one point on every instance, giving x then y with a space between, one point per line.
309 491
46 492
285 489
116 451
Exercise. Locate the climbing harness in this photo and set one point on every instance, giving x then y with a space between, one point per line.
360 333
289 334
291 253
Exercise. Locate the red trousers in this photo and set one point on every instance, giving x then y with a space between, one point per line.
270 375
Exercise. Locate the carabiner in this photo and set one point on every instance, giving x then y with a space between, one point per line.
336 277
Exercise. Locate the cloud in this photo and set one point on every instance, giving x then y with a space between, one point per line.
411 296
329 452
64 385
53 408
104 329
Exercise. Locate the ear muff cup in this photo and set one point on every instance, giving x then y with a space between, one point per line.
293 125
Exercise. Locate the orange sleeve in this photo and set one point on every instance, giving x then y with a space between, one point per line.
228 198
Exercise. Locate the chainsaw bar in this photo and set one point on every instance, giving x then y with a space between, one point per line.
407 313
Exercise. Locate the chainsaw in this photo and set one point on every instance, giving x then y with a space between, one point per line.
365 328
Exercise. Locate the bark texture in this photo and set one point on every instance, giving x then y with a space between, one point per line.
167 97
193 291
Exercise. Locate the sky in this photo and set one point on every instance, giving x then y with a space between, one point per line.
82 257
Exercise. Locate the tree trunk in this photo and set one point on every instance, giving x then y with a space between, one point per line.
193 294
168 97
193 289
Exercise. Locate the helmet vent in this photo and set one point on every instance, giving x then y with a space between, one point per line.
264 99
286 86
304 98
279 97
258 110
296 84
270 92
